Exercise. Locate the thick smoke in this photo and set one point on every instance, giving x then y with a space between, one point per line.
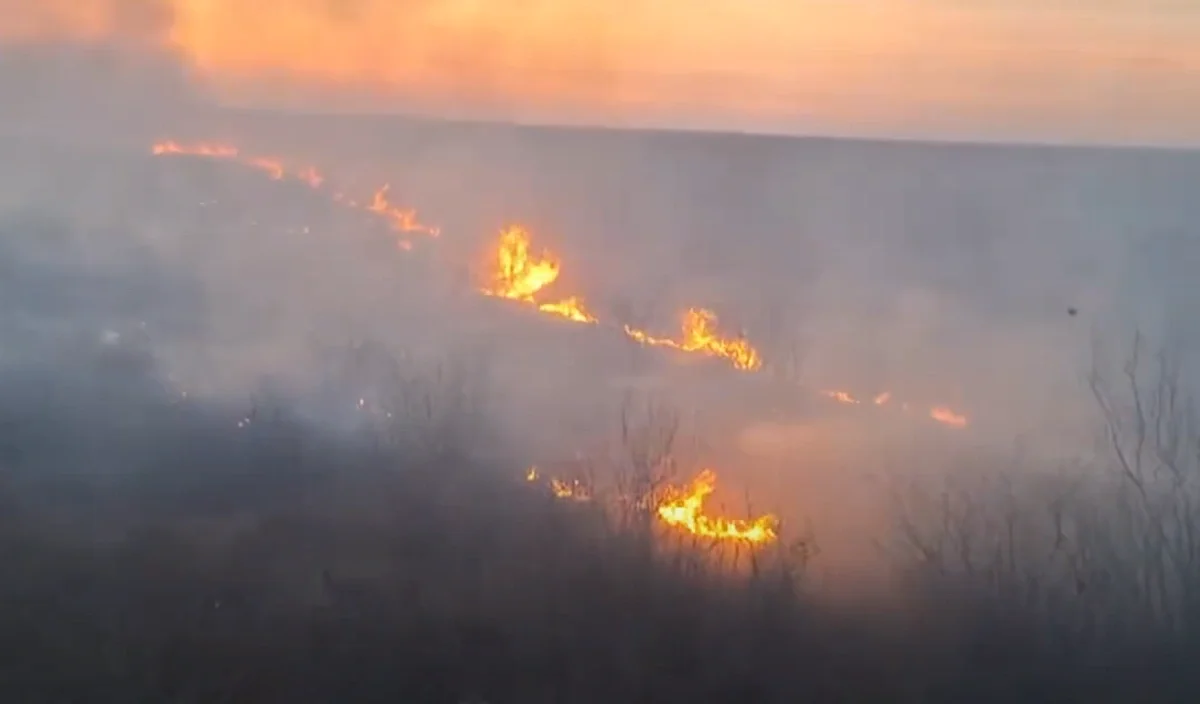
72 70
172 325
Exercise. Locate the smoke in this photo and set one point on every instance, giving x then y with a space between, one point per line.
939 275
99 68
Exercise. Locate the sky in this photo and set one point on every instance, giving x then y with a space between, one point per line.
1075 70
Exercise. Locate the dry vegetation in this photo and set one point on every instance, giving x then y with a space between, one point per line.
153 551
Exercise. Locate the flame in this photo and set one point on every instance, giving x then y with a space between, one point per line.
271 166
520 275
570 308
681 509
684 509
699 334
215 151
841 397
311 176
948 417
561 488
402 220
573 490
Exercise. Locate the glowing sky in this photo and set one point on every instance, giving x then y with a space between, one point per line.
1079 69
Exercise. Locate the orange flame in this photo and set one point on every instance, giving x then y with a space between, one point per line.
403 220
573 490
699 334
569 308
681 509
272 166
841 397
948 417
311 176
519 275
685 510
215 151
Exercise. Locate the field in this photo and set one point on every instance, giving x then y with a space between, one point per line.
270 431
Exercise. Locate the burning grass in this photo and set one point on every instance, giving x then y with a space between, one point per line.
515 271
272 562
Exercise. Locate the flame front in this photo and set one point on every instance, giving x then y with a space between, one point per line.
215 151
571 308
685 510
681 509
948 417
700 334
521 276
841 397
518 274
401 220
572 490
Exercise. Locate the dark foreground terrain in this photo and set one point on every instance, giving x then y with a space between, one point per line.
154 551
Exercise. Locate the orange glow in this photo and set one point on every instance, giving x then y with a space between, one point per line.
519 275
573 490
841 397
211 150
700 334
948 417
516 273
681 508
684 509
401 220
215 151
571 308
750 65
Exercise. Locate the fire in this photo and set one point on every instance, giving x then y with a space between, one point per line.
841 397
311 176
573 490
700 334
403 220
215 151
272 166
570 308
684 509
519 275
948 417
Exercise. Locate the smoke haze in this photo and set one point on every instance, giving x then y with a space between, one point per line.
920 308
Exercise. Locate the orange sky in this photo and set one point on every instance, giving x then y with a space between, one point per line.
890 66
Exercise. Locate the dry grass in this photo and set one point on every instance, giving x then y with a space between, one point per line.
280 565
